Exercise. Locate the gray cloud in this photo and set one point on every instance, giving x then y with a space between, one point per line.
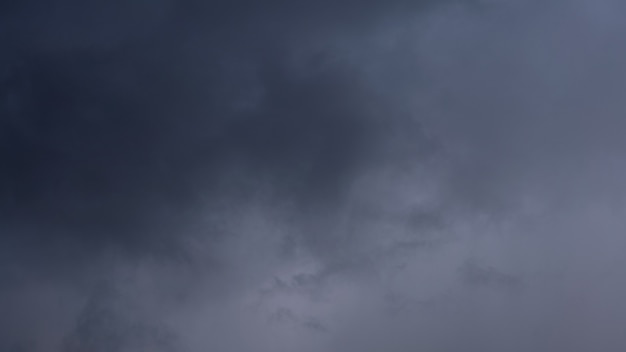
321 176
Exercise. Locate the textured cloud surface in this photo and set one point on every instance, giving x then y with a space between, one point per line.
323 176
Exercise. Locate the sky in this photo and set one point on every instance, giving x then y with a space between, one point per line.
312 176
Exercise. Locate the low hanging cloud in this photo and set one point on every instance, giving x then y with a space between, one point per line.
311 176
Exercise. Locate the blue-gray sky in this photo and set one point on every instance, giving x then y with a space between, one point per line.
323 176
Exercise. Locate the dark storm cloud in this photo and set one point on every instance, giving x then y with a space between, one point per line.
311 176
118 117
120 120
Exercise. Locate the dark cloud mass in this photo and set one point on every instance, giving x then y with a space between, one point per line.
311 175
112 112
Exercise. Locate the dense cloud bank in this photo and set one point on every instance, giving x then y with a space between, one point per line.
312 175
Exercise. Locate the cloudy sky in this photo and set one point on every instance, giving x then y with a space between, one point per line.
312 176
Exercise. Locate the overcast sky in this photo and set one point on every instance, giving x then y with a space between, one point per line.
312 176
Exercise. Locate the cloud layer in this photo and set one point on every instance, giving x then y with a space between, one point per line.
312 176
